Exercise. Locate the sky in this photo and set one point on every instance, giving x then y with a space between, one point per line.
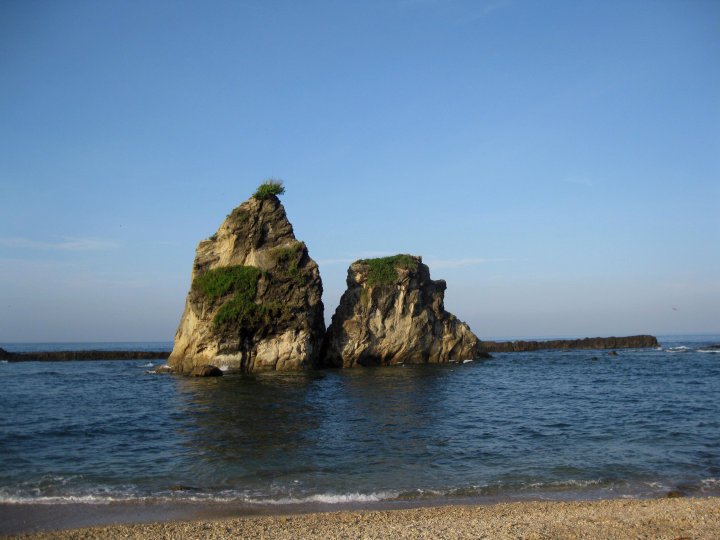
557 163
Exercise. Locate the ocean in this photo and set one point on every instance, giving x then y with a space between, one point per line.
536 425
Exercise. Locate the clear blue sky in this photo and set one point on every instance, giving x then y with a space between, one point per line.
558 163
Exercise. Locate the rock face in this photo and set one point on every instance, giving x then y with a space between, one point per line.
255 301
392 313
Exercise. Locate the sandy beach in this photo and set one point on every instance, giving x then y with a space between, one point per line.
681 518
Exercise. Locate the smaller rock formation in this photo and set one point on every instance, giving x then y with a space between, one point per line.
206 371
393 313
162 370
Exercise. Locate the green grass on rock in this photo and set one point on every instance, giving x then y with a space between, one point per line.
268 188
221 281
240 309
383 270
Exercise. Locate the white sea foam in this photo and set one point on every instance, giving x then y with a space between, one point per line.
680 349
66 499
565 483
466 361
331 498
709 350
711 483
149 364
223 497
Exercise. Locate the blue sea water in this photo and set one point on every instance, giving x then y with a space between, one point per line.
546 424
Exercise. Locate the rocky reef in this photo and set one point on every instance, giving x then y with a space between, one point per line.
627 342
393 313
255 303
71 356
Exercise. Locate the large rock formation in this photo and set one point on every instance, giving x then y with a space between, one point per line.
392 313
255 301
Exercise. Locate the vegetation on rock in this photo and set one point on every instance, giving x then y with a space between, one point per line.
241 311
218 282
269 188
288 258
241 282
383 270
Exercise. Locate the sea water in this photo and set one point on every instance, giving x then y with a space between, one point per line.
544 424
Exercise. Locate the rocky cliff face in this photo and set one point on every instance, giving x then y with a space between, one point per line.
255 301
391 313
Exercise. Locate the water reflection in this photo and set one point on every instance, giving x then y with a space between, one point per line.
305 430
504 424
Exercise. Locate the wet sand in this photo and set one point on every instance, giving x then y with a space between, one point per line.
681 518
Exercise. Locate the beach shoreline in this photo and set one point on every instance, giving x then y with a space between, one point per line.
670 518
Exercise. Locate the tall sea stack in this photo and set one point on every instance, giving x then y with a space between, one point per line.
393 313
255 303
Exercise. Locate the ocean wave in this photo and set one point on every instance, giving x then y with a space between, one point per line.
710 484
127 494
225 497
149 364
708 350
66 499
566 483
500 489
679 349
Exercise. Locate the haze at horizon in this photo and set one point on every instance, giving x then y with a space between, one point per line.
557 163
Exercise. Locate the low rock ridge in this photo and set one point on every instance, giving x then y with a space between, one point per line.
628 342
255 303
65 356
393 313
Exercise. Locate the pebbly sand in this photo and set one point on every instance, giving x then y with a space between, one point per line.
681 518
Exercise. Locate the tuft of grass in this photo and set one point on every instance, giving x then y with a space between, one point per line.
383 270
219 282
269 188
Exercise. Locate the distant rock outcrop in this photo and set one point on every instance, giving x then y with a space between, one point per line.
393 313
71 356
255 300
628 342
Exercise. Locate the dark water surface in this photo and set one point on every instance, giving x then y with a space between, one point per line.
554 424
